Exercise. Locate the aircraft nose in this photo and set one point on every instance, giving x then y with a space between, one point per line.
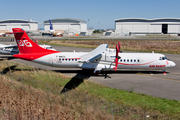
172 64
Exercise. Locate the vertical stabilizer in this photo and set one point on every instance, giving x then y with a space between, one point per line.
26 45
51 27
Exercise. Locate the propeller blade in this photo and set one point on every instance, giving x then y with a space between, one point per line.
118 47
116 60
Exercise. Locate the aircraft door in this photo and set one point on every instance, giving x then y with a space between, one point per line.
50 61
103 57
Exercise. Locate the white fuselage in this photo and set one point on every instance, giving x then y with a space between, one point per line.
127 61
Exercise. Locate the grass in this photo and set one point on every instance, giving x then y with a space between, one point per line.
28 103
133 99
130 100
160 46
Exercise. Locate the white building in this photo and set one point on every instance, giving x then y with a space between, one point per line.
68 25
147 26
13 23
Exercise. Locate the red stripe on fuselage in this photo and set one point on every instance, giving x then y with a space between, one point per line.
33 56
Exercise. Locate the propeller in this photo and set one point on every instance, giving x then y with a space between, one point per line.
119 45
117 57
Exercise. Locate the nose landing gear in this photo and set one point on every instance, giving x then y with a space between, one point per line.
164 72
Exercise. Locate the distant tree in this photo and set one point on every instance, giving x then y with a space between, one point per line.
96 31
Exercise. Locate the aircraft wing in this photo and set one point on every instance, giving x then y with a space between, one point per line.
95 55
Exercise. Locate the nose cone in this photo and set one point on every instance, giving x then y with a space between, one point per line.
172 64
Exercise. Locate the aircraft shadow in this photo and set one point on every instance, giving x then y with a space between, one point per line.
85 74
13 68
7 69
77 80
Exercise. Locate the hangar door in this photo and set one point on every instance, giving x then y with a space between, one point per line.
75 27
25 26
164 28
3 27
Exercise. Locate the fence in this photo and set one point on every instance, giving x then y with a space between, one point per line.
59 102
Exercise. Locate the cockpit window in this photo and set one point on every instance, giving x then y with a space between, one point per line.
163 58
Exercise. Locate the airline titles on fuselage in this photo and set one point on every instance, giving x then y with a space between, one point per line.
157 66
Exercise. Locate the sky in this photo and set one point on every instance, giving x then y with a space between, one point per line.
101 13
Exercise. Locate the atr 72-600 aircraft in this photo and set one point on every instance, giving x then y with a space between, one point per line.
99 59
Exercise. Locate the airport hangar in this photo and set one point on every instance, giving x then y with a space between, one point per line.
68 25
137 26
16 23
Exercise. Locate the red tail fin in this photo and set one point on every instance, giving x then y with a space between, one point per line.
25 44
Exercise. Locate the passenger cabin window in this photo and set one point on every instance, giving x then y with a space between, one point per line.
124 60
131 60
127 60
138 60
120 60
134 60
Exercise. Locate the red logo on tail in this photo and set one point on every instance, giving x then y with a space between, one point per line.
24 43
20 43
